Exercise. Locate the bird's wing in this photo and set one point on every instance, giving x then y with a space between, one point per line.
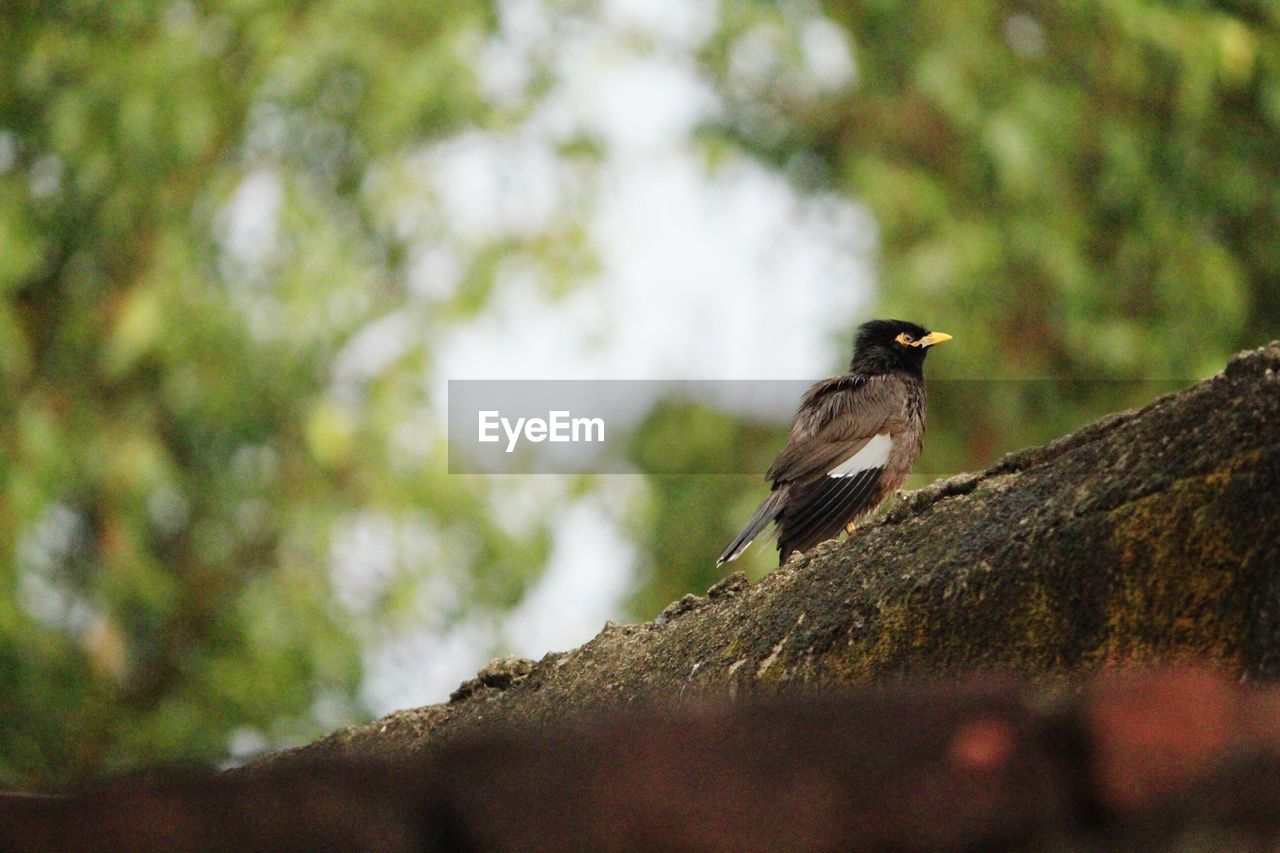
839 419
820 509
833 464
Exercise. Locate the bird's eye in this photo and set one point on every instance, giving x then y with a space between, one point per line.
905 339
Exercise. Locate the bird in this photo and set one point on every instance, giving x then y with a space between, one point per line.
852 443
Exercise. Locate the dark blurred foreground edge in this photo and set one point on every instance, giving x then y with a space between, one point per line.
1144 760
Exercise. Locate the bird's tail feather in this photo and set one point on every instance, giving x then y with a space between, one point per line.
767 512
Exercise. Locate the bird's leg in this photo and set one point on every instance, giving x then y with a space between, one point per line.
853 528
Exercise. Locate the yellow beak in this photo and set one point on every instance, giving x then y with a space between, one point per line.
933 338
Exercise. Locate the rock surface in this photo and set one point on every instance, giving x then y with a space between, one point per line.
1151 535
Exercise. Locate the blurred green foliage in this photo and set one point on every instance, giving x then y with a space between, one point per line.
173 454
1071 189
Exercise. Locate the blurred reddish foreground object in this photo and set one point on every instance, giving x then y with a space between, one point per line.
1133 760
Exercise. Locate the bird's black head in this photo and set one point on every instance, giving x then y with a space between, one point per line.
883 346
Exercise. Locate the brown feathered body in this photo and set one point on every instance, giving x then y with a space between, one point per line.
853 442
840 418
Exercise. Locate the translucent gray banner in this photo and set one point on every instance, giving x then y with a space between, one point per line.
682 426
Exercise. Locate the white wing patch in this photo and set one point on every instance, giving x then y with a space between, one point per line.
872 455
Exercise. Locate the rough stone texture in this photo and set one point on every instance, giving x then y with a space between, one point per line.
1151 535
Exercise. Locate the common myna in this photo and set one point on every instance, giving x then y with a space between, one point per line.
852 442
